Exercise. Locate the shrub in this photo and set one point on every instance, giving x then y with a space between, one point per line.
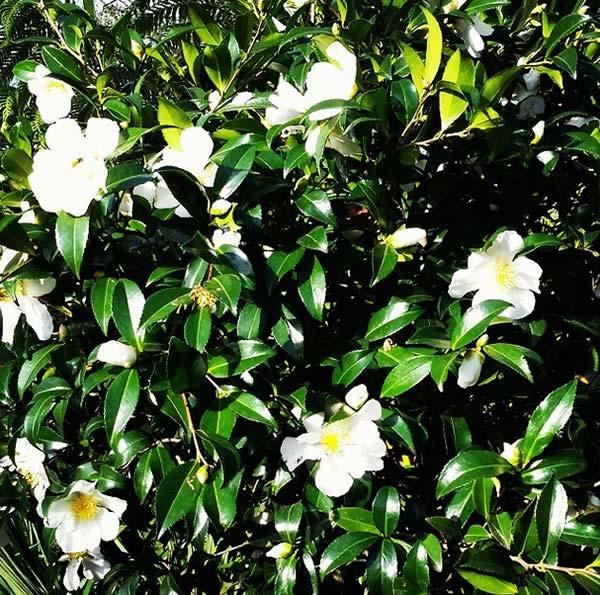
300 296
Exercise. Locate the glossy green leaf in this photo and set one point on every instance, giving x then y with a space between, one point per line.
71 239
386 509
120 403
345 549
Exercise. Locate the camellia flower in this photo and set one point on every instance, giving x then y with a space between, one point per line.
498 274
346 449
117 354
193 155
470 369
27 292
407 236
52 96
158 195
287 104
85 517
70 173
472 31
356 397
512 453
29 463
223 237
95 567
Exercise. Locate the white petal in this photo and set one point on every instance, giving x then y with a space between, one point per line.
293 453
95 568
220 206
464 281
101 137
198 146
331 480
10 318
409 236
108 523
38 287
116 505
117 354
506 245
37 316
314 423
528 273
482 28
470 369
523 300
371 410
79 538
147 190
71 579
66 137
356 397
312 139
54 107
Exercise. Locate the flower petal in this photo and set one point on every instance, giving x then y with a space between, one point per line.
37 316
10 318
101 137
331 479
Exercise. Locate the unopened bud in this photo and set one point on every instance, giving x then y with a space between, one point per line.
281 550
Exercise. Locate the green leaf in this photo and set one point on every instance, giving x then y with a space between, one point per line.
32 367
475 321
13 236
71 239
345 549
434 551
477 6
297 157
452 103
406 375
351 366
227 288
204 26
550 517
547 420
173 120
514 357
433 55
186 369
467 466
488 583
386 509
581 534
217 63
563 463
126 175
279 264
246 355
228 454
501 527
175 495
354 519
127 306
567 25
416 569
120 403
415 65
160 304
197 329
250 407
102 298
391 319
234 169
18 165
219 503
188 191
383 262
589 580
440 367
287 521
249 321
316 204
382 571
483 494
567 60
59 62
315 239
312 287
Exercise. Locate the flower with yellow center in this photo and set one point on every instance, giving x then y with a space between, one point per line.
85 517
52 96
346 449
499 274
95 567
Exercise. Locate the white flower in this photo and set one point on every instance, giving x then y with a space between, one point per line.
85 517
346 449
512 453
281 550
546 156
470 369
193 155
472 31
27 292
159 196
336 140
291 6
335 79
223 237
356 397
117 354
408 236
95 567
29 463
70 173
52 96
497 274
287 104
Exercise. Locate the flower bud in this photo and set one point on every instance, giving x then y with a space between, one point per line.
117 354
357 396
220 207
407 236
470 369
512 453
202 474
482 341
281 550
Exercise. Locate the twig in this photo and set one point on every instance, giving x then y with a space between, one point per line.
192 430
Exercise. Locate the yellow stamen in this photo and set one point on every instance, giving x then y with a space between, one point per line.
84 506
4 296
504 274
333 438
204 298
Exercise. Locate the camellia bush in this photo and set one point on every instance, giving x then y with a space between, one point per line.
300 296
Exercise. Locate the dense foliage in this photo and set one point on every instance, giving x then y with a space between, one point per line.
240 346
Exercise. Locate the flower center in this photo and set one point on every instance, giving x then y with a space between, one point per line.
504 274
4 296
84 506
55 86
332 439
204 298
31 479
